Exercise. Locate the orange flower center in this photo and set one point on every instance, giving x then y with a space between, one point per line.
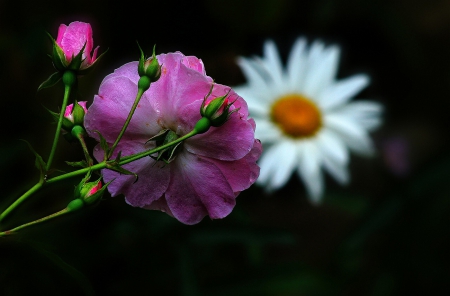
297 116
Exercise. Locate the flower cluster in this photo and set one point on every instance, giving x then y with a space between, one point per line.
201 176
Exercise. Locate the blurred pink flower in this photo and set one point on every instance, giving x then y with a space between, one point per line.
209 170
71 40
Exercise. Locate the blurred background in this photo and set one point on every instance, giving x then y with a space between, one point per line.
387 233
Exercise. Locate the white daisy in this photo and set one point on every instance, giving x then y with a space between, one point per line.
303 115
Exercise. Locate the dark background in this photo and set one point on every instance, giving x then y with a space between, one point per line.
387 233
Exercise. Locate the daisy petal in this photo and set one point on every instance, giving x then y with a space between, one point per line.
287 160
255 79
309 170
273 62
342 91
296 66
355 136
322 73
266 131
271 164
366 113
256 106
337 170
331 145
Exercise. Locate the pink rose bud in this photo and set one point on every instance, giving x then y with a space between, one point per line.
89 192
74 115
74 40
217 110
149 68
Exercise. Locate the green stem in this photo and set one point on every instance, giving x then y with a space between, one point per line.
67 89
12 231
124 160
89 160
20 200
131 158
127 122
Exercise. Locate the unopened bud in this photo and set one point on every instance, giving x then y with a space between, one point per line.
149 67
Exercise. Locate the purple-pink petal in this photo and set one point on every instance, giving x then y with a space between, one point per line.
152 182
198 188
110 110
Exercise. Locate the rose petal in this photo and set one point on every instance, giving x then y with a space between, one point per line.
110 110
198 188
153 178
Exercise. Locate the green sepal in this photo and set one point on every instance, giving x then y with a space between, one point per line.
66 124
164 137
114 165
104 145
96 197
39 162
76 61
58 57
77 191
149 67
82 189
159 137
92 66
53 114
78 114
52 80
82 164
69 138
141 70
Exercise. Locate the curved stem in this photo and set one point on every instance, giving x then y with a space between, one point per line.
131 158
127 122
67 89
20 200
89 160
12 231
124 160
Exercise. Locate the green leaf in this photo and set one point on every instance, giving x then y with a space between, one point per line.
92 66
82 164
52 80
39 162
75 64
114 165
53 114
104 145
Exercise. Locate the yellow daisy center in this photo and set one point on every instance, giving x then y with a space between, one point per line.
296 115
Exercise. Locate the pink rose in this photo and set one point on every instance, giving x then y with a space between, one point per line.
71 40
207 171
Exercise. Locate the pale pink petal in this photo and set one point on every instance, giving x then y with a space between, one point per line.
194 63
129 70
